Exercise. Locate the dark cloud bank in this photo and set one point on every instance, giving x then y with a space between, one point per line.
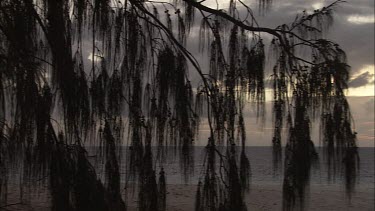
362 80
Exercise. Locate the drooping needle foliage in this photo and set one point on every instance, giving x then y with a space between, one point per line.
82 73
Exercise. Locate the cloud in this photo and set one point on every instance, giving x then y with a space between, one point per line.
360 19
362 80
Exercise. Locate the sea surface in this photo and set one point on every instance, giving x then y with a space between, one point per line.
262 171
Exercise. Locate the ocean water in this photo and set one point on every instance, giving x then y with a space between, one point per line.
261 168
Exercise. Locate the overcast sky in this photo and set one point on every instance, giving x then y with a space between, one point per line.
353 30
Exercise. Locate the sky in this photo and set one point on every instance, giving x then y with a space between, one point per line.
353 30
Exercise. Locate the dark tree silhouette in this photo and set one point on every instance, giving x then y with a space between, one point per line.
137 92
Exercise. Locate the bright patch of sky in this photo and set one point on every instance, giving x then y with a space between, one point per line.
216 4
360 19
317 5
367 90
97 58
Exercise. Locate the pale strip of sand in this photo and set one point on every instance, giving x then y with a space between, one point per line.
269 198
265 197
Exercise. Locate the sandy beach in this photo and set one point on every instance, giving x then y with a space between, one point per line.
260 198
269 197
